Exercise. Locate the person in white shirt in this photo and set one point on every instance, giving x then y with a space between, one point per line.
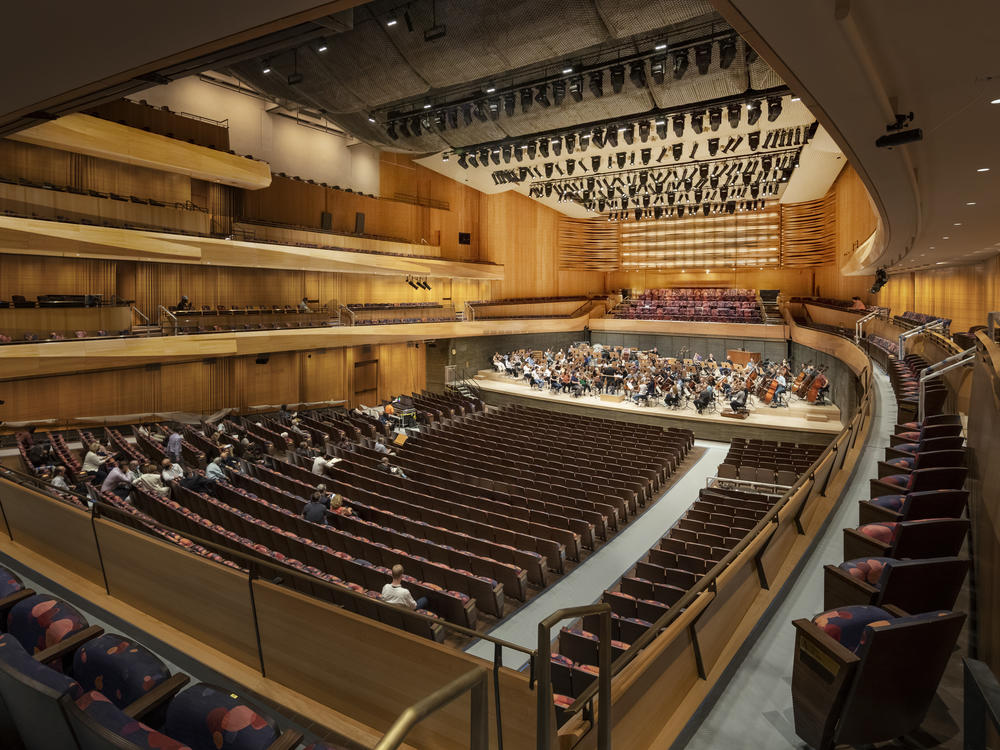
150 481
322 463
397 593
171 471
782 387
214 470
59 478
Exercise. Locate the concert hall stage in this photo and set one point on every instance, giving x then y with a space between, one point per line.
791 424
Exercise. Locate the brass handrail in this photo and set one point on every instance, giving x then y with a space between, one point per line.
473 681
602 686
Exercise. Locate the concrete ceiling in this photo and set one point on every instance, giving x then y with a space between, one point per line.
856 64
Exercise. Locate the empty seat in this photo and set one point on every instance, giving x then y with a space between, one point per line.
912 585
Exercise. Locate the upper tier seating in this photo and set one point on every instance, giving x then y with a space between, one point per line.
767 461
716 305
910 319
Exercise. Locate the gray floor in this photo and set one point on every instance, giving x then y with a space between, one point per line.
754 708
601 570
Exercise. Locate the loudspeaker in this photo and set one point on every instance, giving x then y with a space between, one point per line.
464 238
263 359
400 439
326 220
359 223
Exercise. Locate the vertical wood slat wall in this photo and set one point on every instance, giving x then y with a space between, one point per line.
809 232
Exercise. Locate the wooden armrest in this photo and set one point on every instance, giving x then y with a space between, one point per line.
288 740
870 513
841 589
9 601
816 634
69 645
157 696
895 611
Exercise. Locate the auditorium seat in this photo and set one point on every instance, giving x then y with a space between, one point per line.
897 471
912 585
914 506
929 537
920 480
45 625
864 674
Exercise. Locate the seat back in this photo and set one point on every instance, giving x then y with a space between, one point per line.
935 504
29 698
941 443
41 621
901 665
933 537
100 725
935 459
939 478
926 585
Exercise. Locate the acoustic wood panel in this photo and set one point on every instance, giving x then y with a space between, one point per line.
588 245
809 232
84 134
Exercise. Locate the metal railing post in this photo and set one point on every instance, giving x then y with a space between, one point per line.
171 316
901 341
859 325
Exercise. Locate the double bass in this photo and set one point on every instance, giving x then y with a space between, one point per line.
798 380
773 386
818 383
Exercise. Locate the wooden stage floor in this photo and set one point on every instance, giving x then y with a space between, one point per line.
824 421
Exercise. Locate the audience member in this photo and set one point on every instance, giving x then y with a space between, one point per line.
396 593
117 482
322 463
174 443
170 471
304 305
151 480
214 470
337 506
93 464
59 478
184 304
315 510
390 469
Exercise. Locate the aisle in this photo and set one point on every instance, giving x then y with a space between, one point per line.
587 582
754 707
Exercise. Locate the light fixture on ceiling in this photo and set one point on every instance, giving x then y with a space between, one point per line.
463 161
576 88
697 122
703 57
983 169
727 52
773 108
714 118
637 74
597 83
644 130
753 112
490 89
371 119
322 47
266 69
657 68
558 92
391 130
680 63
733 111
995 101
568 70
526 100
509 102
542 96
678 121
957 224
444 157
427 106
971 203
628 133
392 21
661 129
617 78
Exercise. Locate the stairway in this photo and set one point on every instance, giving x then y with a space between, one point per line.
772 313
147 331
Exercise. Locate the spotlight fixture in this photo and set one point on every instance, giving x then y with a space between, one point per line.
570 166
727 52
713 146
467 114
576 88
415 126
558 92
645 155
753 140
556 146
597 83
661 129
322 47
463 161
543 148
542 96
509 101
266 69
507 152
611 136
733 111
658 68
678 126
628 133
411 283
678 151
598 138
698 122
617 78
703 57
494 108
479 110
753 112
531 149
595 163
473 161
391 130
714 118
680 64
644 130
484 156
637 74
495 156
392 21
881 279
620 159
773 108
452 117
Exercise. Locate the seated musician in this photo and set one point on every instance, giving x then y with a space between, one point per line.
782 387
822 393
738 402
565 381
673 395
704 398
642 393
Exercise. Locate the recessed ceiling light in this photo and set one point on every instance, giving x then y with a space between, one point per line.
491 89
796 99
983 169
957 224
946 237
971 203
939 263
391 22
266 70
427 106
322 48
995 101
567 70
371 119
660 46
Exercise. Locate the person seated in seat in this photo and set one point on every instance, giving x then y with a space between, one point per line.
315 510
304 305
184 304
782 387
117 482
152 481
673 395
337 506
396 593
388 468
214 470
738 403
323 462
170 471
381 447
59 478
858 304
93 464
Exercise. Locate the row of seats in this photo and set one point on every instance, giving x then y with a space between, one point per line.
910 319
143 201
33 336
712 304
768 461
888 629
711 527
69 685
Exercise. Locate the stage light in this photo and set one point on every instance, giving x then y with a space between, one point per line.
558 92
611 136
463 161
542 96
473 161
773 108
494 107
703 57
753 112
576 88
509 102
467 114
495 156
645 155
661 129
531 147
543 148
410 282
733 110
391 131
628 133
598 138
637 74
479 110
452 117
753 140
266 69
526 100
680 64
597 83
484 156
678 121
638 214
698 122
570 166
617 78
678 151
507 152
595 163
644 130
570 143
658 68
556 144
714 118
727 52
713 146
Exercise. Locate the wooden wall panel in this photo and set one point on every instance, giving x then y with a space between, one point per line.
30 276
856 217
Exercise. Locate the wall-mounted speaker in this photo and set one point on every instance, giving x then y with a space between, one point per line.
359 223
464 238
263 359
